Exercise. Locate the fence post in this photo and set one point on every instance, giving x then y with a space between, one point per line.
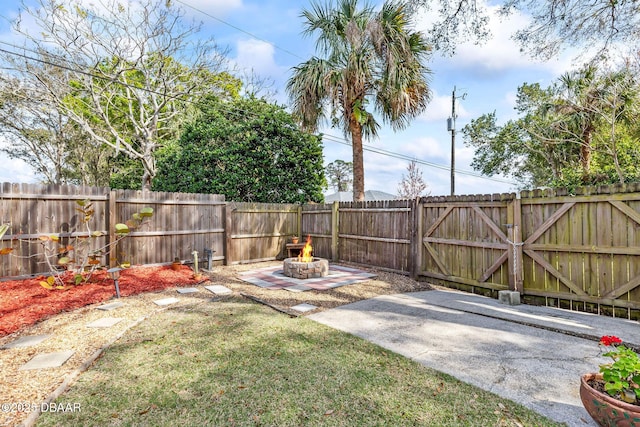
228 228
413 238
299 222
111 220
420 234
517 231
335 224
514 235
415 247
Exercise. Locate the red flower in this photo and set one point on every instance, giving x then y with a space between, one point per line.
608 340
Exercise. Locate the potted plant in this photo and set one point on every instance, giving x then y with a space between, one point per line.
612 397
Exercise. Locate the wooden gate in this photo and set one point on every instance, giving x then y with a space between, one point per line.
583 249
468 242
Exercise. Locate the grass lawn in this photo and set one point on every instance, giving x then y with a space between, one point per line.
238 363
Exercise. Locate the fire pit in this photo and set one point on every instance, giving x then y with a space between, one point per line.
317 267
305 266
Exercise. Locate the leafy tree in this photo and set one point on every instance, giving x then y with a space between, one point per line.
582 130
371 61
340 174
578 103
135 69
127 172
514 151
412 185
248 150
620 126
456 21
47 140
555 23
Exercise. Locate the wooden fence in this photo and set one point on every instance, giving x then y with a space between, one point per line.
576 251
465 241
258 231
181 223
374 233
583 249
579 251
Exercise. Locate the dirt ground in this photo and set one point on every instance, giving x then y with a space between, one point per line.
25 390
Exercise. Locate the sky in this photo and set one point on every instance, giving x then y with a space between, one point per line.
265 36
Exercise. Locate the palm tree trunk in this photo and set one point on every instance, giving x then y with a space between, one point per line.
358 160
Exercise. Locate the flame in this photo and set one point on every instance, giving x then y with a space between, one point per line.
305 253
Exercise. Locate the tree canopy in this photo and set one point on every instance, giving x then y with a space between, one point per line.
131 71
581 130
340 174
248 150
43 137
555 24
412 185
370 61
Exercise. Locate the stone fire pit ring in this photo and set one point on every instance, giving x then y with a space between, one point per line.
319 267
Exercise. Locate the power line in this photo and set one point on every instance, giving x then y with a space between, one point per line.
338 139
239 112
239 29
419 161
85 73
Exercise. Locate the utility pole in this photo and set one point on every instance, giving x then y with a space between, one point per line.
451 126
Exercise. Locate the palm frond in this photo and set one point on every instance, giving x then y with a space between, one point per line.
308 91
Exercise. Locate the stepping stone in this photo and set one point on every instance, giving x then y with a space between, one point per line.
187 290
166 301
304 307
110 306
297 288
106 322
219 289
27 341
47 360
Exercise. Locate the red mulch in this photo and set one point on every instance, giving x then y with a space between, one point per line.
25 302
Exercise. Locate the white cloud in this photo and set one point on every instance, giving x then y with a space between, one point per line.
424 148
382 173
16 171
500 52
464 156
439 109
511 98
217 8
258 56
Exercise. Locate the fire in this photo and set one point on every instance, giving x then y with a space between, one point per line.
305 253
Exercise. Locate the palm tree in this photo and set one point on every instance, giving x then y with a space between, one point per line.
368 58
579 103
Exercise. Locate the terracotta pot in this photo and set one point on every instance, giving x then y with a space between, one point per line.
294 240
604 409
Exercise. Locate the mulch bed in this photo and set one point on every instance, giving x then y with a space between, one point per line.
25 302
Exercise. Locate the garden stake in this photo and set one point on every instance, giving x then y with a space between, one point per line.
114 273
195 261
209 254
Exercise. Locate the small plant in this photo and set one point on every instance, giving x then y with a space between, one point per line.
76 252
622 376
